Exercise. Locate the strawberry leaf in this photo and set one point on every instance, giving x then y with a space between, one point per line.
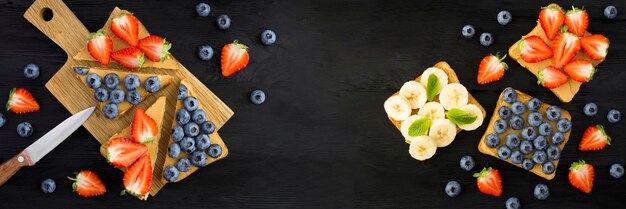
460 117
433 87
419 127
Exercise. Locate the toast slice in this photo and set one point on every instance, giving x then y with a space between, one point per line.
168 63
125 105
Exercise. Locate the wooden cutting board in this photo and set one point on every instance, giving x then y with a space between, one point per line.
67 31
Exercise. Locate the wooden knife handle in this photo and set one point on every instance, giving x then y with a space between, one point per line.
11 166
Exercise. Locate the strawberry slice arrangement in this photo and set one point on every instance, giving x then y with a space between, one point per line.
87 184
21 101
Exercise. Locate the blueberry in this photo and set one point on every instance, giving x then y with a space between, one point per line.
183 165
131 82
534 104
504 112
170 173
182 117
564 125
3 120
539 157
545 129
268 37
208 127
111 81
500 126
617 170
257 97
527 164
516 122
110 111
535 119
223 22
610 12
81 70
205 53
101 94
548 168
504 17
203 9
134 97
93 81
117 96
486 39
590 109
215 150
188 145
512 141
504 152
198 158
553 152
529 133
203 142
467 163
613 116
152 84
517 157
24 129
526 147
557 138
198 116
173 150
541 192
540 143
513 203
492 140
553 113
31 71
191 129
48 186
509 95
191 103
182 92
178 133
468 31
453 188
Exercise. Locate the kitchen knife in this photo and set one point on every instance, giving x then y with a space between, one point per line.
43 145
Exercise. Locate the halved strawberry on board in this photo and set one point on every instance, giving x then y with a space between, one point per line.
489 181
138 178
100 46
577 21
596 46
143 128
131 58
533 49
565 47
122 152
234 58
580 70
87 184
551 19
155 48
581 176
491 69
594 138
126 27
21 101
551 77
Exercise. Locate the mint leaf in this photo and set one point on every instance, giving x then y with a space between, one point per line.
460 117
433 87
419 127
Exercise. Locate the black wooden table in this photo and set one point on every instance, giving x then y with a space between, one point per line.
322 138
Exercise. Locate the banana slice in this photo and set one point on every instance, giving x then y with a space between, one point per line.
475 111
454 95
406 124
398 107
422 148
443 132
441 75
415 93
432 111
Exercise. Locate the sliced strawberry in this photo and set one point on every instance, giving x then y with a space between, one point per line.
580 70
491 69
126 27
100 46
234 58
551 19
533 49
596 46
565 47
122 152
551 77
144 128
87 184
489 181
594 138
21 101
155 48
131 58
581 176
577 21
138 178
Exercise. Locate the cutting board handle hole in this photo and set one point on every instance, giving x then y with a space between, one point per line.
46 14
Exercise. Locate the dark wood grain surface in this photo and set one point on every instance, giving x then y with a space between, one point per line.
322 138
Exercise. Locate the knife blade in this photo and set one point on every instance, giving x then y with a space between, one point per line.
33 153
